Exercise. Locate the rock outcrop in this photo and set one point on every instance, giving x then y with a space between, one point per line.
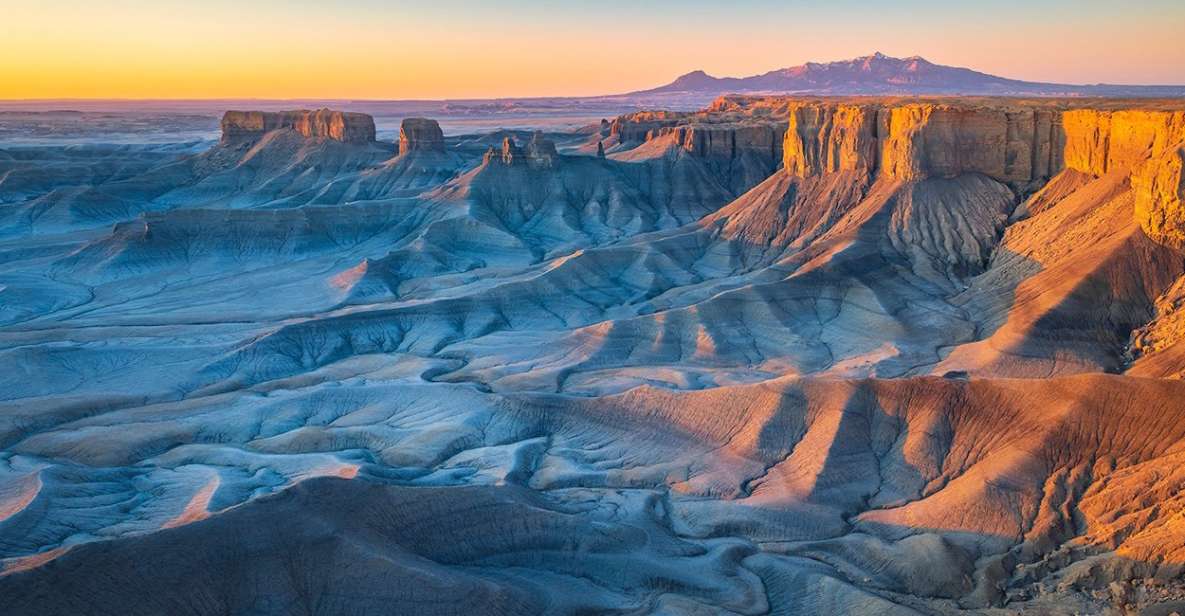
507 155
1160 197
914 141
539 153
1101 141
727 141
1022 145
420 135
635 128
1017 143
705 134
344 126
740 149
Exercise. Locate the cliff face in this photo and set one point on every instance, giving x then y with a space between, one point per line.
1010 144
341 126
1098 142
828 139
740 149
1160 197
701 135
915 141
635 128
420 134
1022 146
726 141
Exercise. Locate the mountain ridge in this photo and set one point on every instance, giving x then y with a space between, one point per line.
878 73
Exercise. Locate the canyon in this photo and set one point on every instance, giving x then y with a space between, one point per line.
779 355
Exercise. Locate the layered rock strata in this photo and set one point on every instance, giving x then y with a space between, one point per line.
420 134
344 126
1010 144
1022 146
1160 197
701 135
636 128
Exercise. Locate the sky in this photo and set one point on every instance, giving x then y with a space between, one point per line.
394 49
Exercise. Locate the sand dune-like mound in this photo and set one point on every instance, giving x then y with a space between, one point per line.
948 491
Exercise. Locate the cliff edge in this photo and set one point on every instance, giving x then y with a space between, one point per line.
344 126
1018 144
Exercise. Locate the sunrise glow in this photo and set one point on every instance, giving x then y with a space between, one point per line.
462 48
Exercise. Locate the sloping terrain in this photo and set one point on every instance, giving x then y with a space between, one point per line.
780 356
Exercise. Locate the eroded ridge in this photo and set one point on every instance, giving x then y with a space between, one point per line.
778 356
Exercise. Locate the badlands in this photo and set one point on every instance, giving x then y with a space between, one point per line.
777 356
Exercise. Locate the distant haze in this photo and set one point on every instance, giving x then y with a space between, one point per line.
880 74
467 48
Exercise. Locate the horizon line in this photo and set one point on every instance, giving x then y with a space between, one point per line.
639 92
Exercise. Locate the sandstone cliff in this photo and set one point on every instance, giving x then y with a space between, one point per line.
727 141
420 134
1159 185
347 127
1022 145
635 128
704 134
1017 146
1012 143
738 149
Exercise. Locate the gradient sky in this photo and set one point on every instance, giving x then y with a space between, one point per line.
491 48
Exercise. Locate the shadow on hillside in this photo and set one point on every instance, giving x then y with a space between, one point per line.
333 546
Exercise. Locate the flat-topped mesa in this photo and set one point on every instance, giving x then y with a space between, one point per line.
726 141
344 126
635 128
707 134
420 135
540 153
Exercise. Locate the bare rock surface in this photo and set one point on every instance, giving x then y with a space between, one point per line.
344 126
420 134
778 356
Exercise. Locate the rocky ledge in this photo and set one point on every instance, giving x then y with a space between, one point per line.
344 126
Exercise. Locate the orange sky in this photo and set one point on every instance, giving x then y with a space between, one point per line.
466 48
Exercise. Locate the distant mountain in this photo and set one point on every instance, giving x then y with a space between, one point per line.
881 74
